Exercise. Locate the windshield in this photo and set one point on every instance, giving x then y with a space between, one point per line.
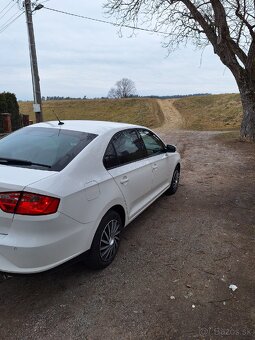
43 148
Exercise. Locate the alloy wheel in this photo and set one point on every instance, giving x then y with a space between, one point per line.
109 242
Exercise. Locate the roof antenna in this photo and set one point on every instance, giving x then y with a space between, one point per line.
59 121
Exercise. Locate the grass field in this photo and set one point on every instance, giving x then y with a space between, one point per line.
134 111
214 112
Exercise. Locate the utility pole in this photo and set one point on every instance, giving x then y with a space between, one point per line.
33 62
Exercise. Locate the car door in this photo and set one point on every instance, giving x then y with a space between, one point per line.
125 160
159 161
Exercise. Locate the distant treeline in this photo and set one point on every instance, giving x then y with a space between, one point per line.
62 98
177 96
150 96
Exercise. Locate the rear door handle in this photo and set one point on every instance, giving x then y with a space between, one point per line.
124 180
154 167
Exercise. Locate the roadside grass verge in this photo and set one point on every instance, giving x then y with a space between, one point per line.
134 111
228 136
213 112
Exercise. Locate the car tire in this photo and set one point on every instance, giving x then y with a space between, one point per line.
106 241
175 182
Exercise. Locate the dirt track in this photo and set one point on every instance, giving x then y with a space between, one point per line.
173 119
170 279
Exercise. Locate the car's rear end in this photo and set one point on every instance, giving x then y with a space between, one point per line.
35 233
19 209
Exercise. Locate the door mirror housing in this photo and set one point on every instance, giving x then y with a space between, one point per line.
170 148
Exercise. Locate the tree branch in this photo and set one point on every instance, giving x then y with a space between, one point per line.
243 19
208 30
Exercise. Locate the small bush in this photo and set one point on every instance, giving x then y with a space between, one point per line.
9 104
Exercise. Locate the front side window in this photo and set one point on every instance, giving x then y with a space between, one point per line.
128 146
152 143
43 148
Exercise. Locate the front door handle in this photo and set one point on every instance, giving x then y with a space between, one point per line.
124 180
154 167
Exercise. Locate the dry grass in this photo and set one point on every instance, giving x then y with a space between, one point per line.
214 112
228 136
134 111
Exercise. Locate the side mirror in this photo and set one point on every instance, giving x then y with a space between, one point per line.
170 148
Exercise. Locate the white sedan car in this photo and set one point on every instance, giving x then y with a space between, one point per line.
70 187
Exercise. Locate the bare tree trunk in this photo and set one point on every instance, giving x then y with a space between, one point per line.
247 131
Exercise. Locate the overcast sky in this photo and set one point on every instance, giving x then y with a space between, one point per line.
78 57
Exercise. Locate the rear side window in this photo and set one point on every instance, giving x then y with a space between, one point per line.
46 148
110 157
152 143
128 147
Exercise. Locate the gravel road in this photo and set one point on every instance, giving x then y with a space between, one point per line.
171 276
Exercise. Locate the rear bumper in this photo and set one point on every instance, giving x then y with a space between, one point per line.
36 246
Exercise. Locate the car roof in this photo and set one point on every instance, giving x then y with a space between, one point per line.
90 126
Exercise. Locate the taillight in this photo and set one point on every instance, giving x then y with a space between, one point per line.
8 201
34 204
26 203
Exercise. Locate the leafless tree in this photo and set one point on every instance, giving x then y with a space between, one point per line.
228 25
112 93
124 88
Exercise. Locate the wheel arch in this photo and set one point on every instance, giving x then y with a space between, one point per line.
121 211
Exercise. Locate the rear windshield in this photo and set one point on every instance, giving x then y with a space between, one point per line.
45 148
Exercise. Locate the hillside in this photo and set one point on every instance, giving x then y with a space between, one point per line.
214 112
134 111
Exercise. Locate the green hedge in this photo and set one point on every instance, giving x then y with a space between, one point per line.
9 104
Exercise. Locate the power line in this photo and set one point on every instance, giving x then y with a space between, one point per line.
105 21
9 19
3 28
7 10
6 6
7 24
